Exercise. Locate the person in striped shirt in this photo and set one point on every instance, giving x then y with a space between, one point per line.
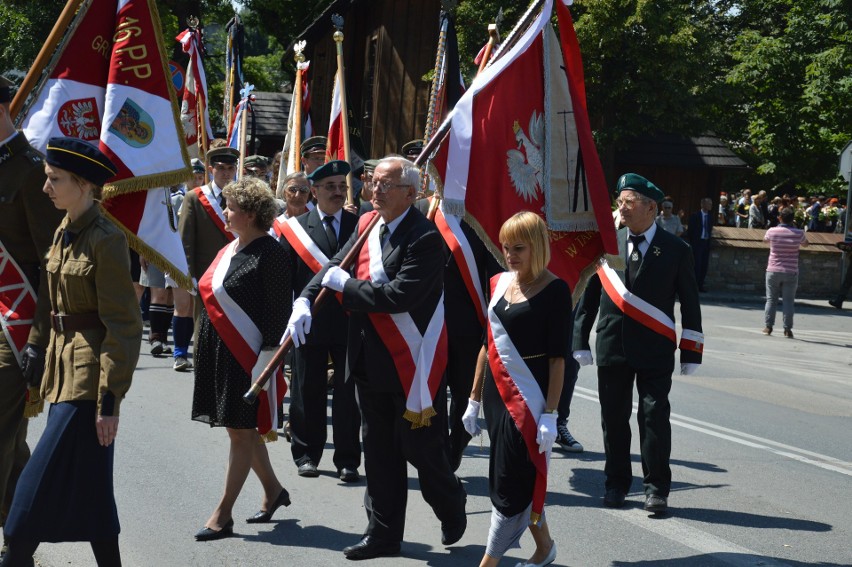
782 271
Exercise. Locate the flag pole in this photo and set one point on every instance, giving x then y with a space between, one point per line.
337 21
44 55
493 39
296 138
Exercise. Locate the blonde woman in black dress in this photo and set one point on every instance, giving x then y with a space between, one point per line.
518 382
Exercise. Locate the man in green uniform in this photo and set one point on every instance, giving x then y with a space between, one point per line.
27 222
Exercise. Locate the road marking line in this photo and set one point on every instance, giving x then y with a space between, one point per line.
753 441
696 539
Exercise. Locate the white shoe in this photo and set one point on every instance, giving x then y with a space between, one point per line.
551 557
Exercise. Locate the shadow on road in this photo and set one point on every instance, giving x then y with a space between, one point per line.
721 558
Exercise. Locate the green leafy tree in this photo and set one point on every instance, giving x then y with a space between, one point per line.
791 82
26 25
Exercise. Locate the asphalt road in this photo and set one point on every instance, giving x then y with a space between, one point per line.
762 465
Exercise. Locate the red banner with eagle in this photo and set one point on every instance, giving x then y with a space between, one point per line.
512 149
110 85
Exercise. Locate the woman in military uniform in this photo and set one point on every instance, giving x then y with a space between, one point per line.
65 493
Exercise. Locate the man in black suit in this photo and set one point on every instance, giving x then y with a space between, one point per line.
698 234
636 339
312 239
396 304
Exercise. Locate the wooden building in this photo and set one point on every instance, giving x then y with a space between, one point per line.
687 169
388 48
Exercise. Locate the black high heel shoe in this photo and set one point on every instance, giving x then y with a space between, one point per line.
262 517
209 534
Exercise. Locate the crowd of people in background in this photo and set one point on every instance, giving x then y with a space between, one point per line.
813 214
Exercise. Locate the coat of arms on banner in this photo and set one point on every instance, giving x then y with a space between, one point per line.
526 168
133 125
79 118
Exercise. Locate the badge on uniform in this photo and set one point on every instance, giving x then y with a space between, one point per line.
657 251
634 257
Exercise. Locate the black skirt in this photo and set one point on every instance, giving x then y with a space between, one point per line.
65 492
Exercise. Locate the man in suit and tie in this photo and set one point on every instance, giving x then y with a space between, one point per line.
202 222
311 239
698 234
397 353
636 340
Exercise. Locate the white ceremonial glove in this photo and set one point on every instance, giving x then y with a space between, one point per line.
299 324
584 357
469 418
546 432
687 368
335 278
263 359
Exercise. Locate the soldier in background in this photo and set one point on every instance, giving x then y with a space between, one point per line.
27 222
313 153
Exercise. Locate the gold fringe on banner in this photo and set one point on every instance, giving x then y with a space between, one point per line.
145 182
151 255
420 419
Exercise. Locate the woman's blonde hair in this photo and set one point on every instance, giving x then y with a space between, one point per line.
528 228
253 196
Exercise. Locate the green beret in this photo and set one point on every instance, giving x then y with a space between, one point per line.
635 182
256 161
313 144
330 169
224 154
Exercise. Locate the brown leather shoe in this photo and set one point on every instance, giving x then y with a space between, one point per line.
788 333
767 330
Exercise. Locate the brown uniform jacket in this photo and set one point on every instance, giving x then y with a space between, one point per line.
92 275
27 222
201 238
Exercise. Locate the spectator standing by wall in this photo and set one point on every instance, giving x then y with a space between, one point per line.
782 271
755 213
668 221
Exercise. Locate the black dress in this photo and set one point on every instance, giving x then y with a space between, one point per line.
258 280
540 329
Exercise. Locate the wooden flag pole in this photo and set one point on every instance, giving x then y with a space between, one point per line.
44 55
337 20
296 138
493 39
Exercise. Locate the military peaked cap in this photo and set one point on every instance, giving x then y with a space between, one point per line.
313 144
224 154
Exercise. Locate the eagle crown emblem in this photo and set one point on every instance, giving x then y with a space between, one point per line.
526 167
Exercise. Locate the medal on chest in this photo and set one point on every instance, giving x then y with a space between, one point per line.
634 257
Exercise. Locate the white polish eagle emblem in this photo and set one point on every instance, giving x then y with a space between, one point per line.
526 167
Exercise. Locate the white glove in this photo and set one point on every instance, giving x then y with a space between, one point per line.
335 278
583 357
299 324
469 418
687 368
546 432
263 358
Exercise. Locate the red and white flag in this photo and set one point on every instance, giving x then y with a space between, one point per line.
512 149
194 92
110 84
291 146
334 148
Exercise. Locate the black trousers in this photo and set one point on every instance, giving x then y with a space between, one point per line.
461 366
615 390
309 407
701 255
389 445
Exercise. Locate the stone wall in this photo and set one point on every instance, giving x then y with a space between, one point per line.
740 266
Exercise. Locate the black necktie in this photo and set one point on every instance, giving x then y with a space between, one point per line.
222 202
635 259
329 232
383 235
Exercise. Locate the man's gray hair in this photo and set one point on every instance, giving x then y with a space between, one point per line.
410 173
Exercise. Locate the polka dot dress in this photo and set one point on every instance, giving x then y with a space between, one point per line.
258 280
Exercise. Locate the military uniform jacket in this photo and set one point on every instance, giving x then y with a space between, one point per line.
666 274
329 324
92 275
201 238
28 220
413 259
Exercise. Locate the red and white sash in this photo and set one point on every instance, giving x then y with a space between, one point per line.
241 336
643 312
420 360
450 228
17 303
305 247
518 388
214 211
276 230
